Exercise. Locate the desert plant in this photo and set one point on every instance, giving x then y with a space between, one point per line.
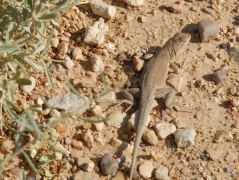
26 33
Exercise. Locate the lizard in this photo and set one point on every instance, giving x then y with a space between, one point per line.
153 85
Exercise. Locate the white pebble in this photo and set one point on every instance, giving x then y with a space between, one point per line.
29 88
146 169
164 129
102 9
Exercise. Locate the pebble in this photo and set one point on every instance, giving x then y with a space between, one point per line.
61 128
95 34
107 98
148 56
185 137
134 2
116 119
77 54
233 90
138 63
7 146
76 144
218 76
29 88
146 169
222 136
150 137
55 42
102 9
108 165
68 63
62 49
161 173
97 64
88 166
164 129
208 29
231 157
88 138
40 101
70 102
99 126
81 175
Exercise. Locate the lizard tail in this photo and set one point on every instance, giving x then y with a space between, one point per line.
141 125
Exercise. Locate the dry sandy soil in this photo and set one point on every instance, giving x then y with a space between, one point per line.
203 105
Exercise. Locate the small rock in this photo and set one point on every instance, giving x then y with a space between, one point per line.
95 35
164 129
61 128
222 136
107 98
99 126
148 56
134 2
208 29
76 144
77 54
81 175
161 173
69 64
96 110
175 8
62 49
88 138
233 90
109 166
55 42
7 146
142 19
122 57
70 102
58 156
97 64
138 63
102 9
218 76
29 88
40 101
146 169
231 157
185 137
150 137
88 166
116 119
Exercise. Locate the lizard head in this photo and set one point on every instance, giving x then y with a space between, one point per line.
180 39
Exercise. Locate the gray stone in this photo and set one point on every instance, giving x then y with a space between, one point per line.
185 137
208 29
164 129
81 175
109 166
70 102
146 169
218 76
102 9
161 173
95 34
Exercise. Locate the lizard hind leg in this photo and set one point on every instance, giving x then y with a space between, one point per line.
167 93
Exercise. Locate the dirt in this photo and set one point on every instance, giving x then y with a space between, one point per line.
206 108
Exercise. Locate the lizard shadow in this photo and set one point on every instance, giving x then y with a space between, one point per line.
192 29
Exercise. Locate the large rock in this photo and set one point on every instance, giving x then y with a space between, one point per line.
70 102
